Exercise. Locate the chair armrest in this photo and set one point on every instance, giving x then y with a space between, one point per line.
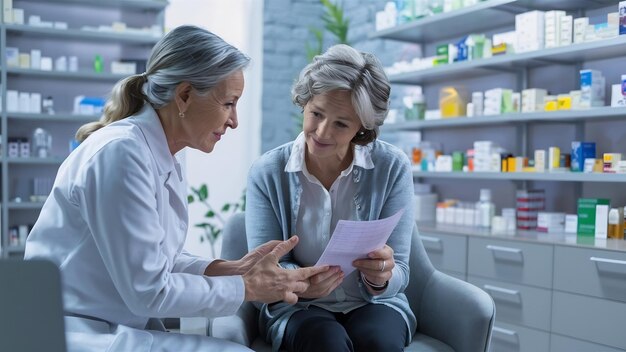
457 313
241 328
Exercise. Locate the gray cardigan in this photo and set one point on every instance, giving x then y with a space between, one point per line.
273 201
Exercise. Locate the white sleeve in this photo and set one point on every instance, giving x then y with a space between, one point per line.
191 264
116 193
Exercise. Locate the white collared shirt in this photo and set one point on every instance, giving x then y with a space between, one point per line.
320 209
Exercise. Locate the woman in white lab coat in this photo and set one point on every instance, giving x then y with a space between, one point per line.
116 219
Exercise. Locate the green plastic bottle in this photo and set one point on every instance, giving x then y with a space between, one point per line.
98 64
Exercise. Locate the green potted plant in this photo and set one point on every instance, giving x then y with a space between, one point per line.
215 217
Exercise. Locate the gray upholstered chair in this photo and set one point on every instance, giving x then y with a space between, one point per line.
452 315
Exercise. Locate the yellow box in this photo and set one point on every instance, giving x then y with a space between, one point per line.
551 106
564 102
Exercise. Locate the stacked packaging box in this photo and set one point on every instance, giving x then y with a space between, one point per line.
529 31
529 203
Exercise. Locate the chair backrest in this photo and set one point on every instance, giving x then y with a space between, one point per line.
31 307
234 241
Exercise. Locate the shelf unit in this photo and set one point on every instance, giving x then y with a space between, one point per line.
77 40
568 55
468 20
525 176
468 253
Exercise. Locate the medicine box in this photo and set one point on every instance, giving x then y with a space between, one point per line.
580 152
622 17
593 217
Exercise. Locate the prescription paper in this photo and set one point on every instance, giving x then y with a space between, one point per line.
352 240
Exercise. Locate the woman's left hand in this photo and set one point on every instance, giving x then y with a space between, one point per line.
377 268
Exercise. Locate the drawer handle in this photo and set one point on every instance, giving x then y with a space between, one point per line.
503 249
504 331
607 260
430 239
501 290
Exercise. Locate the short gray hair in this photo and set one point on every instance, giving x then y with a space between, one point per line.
342 67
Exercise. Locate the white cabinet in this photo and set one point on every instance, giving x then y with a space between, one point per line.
553 292
82 40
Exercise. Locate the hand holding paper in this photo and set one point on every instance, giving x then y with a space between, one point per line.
353 240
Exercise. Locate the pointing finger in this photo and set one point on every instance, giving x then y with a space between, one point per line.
283 248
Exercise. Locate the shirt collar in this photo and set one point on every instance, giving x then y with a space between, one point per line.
150 125
362 157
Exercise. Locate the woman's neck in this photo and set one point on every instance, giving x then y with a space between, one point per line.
327 170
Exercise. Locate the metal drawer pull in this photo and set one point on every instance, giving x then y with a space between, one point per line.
501 290
606 260
430 239
504 249
504 331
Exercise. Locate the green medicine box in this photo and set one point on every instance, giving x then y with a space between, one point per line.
592 216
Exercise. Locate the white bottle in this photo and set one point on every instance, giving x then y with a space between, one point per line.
485 209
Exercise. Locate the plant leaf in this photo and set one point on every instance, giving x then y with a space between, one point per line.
190 199
210 214
203 192
226 207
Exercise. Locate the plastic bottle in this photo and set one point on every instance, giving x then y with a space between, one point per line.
485 209
624 224
98 64
614 224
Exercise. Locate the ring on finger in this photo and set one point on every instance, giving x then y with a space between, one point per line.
382 267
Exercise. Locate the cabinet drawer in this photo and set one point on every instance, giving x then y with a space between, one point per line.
511 261
446 252
518 304
592 272
560 343
589 318
514 338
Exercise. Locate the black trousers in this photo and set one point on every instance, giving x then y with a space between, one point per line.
373 327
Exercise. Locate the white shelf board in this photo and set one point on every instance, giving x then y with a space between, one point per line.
595 114
571 54
36 161
137 4
63 117
477 18
80 75
524 176
77 34
25 205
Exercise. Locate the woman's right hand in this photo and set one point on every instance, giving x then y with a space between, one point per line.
267 282
322 284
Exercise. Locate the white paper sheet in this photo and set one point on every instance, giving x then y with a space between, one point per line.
352 240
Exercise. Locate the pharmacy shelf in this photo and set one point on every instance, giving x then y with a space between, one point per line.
524 176
36 161
562 238
52 118
569 55
84 75
14 249
595 114
76 34
137 4
478 18
25 205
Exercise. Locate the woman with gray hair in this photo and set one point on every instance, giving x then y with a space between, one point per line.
116 220
336 169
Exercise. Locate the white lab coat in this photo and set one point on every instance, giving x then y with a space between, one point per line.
115 224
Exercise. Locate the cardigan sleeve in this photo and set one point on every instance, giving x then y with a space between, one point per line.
266 207
399 195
